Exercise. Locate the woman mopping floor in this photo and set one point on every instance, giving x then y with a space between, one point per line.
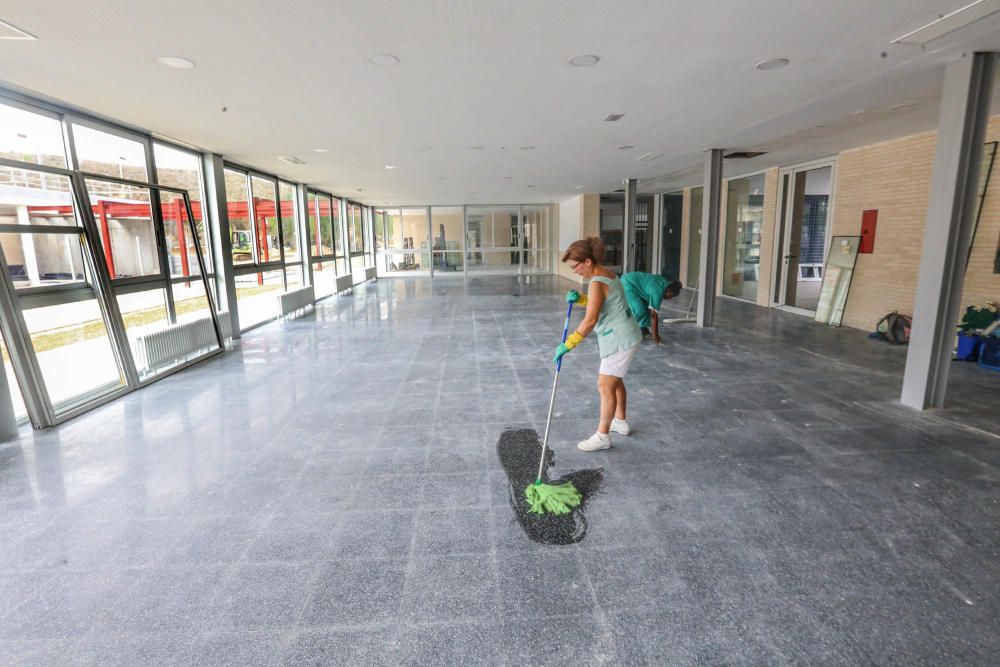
618 336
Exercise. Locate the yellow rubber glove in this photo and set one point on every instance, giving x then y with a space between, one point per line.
571 341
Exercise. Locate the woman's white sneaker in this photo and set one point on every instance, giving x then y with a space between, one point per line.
595 442
620 426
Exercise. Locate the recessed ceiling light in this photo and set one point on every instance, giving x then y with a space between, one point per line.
383 59
476 148
773 63
531 186
390 166
527 148
290 159
321 150
579 187
424 149
614 117
8 31
175 62
626 147
507 178
588 60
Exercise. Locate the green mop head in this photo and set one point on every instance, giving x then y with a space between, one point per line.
554 499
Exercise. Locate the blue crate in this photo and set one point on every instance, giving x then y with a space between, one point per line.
989 354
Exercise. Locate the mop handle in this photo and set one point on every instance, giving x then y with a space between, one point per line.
552 400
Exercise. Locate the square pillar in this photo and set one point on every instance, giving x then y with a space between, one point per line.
965 102
711 198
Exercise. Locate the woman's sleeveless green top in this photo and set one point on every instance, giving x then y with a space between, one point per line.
616 328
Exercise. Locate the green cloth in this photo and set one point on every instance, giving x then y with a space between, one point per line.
616 329
643 291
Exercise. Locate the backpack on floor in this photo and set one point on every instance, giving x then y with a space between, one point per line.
895 327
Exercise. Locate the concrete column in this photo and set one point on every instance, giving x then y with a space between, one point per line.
628 225
222 248
711 198
965 101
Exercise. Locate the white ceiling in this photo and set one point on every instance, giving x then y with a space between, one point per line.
294 76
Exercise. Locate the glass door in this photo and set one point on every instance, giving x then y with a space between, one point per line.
670 239
493 239
448 234
407 244
802 237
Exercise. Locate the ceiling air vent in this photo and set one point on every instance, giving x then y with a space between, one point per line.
290 159
743 155
614 117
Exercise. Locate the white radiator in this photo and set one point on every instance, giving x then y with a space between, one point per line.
175 343
370 274
289 302
344 283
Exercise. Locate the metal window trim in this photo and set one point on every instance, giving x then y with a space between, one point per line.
243 270
31 166
40 229
103 288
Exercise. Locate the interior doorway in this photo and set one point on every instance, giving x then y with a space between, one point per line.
803 235
670 239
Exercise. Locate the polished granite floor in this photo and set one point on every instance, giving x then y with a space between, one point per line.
329 493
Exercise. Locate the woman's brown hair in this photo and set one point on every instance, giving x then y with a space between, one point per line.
591 248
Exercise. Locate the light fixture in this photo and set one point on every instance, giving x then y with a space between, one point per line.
587 60
527 148
626 147
424 149
507 178
614 117
947 23
579 187
175 62
383 59
321 150
290 159
476 148
8 31
771 64
390 166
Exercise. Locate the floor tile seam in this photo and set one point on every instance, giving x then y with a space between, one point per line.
598 610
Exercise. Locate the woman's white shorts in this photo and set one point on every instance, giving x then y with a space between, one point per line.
617 363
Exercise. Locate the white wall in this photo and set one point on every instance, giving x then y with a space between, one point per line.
570 221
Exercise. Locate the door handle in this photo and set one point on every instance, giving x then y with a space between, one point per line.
790 256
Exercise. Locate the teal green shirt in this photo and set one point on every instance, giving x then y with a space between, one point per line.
616 329
643 291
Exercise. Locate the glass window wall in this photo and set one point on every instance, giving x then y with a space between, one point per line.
493 239
448 234
107 154
28 136
744 221
694 238
407 251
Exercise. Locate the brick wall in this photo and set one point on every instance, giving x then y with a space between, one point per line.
894 177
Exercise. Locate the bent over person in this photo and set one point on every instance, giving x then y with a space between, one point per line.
618 336
645 292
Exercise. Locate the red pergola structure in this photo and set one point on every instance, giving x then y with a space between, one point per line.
174 212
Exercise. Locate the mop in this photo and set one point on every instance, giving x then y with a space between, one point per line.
688 317
552 498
